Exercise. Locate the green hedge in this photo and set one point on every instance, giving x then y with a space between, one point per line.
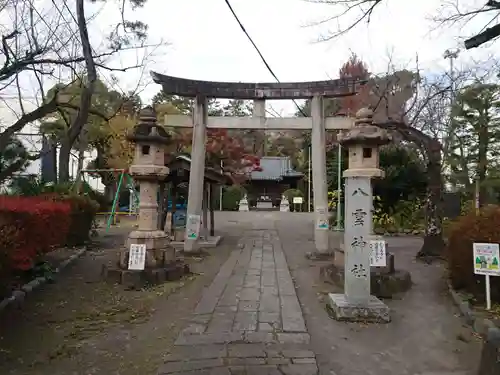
231 197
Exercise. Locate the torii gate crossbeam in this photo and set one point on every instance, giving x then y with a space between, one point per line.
259 92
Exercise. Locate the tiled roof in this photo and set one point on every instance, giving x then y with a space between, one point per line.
274 168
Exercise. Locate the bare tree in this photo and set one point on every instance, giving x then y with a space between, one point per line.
49 47
450 12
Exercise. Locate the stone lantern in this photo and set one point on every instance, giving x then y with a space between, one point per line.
148 170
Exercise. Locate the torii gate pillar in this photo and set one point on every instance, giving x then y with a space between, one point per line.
318 156
196 174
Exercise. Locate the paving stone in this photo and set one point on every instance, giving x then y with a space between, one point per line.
304 360
263 337
263 370
251 282
269 317
248 321
299 369
200 372
293 338
184 353
226 309
194 328
172 367
245 321
244 361
210 338
297 353
229 298
255 264
246 350
266 327
222 322
213 292
270 290
290 302
269 303
287 290
255 370
268 278
269 264
278 361
254 272
236 280
249 294
201 319
248 306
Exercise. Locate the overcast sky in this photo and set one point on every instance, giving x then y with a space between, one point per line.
207 43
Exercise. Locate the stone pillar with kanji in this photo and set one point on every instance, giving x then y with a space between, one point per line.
363 142
148 257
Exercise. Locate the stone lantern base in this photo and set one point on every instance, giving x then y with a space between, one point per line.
140 279
160 265
385 282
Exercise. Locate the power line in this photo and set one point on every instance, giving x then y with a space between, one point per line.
258 51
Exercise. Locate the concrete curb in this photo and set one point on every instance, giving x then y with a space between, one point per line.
18 296
480 325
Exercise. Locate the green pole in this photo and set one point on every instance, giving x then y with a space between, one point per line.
113 208
135 196
339 227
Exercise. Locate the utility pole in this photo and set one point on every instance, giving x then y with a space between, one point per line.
451 55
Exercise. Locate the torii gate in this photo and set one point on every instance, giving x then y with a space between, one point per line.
259 92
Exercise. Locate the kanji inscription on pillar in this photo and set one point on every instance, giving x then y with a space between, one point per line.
358 223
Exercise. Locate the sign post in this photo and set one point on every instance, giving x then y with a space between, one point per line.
193 227
378 256
137 257
297 202
486 259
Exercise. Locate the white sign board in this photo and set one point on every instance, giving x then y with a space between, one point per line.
297 200
137 257
486 258
323 224
193 224
377 253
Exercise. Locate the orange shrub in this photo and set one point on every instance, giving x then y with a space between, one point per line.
29 227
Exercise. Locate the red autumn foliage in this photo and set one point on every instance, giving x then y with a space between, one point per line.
354 68
221 146
31 226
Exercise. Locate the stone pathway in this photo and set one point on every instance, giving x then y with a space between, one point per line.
249 320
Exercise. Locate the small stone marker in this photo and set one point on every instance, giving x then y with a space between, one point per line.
243 205
137 257
284 204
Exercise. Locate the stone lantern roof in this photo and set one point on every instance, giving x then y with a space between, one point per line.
147 130
364 132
